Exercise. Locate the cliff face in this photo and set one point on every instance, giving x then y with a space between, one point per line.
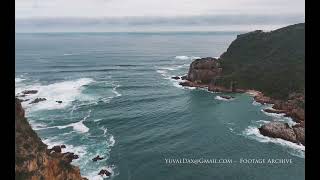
32 158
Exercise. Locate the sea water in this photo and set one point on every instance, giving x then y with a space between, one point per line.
119 102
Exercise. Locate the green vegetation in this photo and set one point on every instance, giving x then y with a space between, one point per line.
271 62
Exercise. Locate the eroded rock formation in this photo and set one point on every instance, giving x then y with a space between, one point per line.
33 161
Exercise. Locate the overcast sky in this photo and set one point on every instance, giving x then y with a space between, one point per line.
132 15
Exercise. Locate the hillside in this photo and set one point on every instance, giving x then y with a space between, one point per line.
271 62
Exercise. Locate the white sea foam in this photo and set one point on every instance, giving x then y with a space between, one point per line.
255 103
182 57
191 88
261 122
66 91
79 150
293 148
221 98
77 126
162 72
18 80
67 54
114 90
80 127
280 117
186 57
104 130
96 120
111 141
94 174
37 125
115 93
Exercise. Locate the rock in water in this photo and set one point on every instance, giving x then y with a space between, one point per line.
56 149
38 100
103 171
184 77
59 102
97 158
68 157
226 97
175 77
279 130
274 111
30 92
204 70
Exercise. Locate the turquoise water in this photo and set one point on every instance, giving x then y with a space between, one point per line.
120 102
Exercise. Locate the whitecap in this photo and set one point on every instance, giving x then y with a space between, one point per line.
114 90
111 141
37 126
221 98
77 126
187 57
80 127
162 72
182 57
191 88
66 91
78 150
18 80
96 120
280 117
255 103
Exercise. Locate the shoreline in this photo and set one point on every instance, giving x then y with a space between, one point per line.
257 95
274 129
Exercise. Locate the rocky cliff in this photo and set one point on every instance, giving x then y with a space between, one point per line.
32 158
272 64
204 70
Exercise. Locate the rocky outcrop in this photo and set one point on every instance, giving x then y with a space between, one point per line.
226 97
293 107
37 100
30 92
276 111
283 131
33 161
204 70
175 77
97 158
104 172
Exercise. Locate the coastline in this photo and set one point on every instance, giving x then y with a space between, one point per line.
293 133
34 160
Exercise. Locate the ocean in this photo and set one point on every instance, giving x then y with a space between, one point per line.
119 102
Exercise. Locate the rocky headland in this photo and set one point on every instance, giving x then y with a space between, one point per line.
267 65
33 159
